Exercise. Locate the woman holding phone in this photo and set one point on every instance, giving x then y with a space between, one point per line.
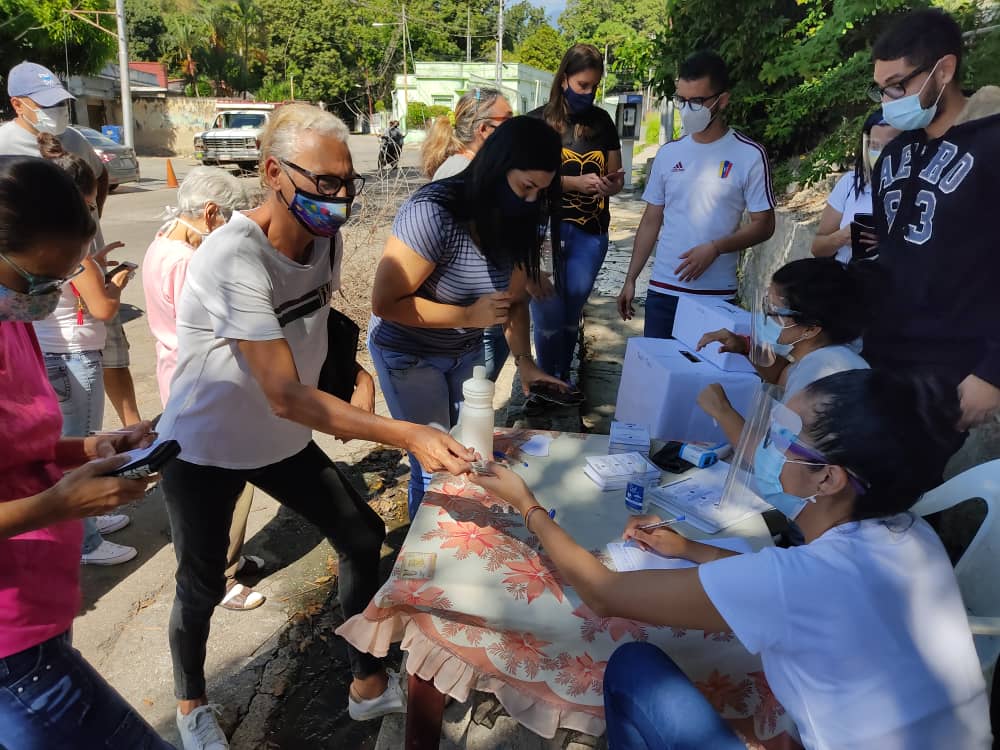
590 173
49 695
72 339
458 261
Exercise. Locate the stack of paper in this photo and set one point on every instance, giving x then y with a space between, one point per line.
628 555
615 472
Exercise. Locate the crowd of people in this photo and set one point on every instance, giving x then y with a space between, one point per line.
882 348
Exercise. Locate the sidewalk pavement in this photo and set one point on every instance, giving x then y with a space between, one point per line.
482 723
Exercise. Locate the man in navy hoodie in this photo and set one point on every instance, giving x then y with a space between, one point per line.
936 214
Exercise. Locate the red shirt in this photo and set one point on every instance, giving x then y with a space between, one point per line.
39 570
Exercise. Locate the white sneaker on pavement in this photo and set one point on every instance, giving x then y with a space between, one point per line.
391 701
109 553
112 523
200 730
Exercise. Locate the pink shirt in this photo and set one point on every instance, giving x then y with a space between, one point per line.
163 272
39 570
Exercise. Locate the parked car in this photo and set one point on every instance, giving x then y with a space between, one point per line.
120 160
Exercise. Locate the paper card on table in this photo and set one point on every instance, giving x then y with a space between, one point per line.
418 565
538 446
628 556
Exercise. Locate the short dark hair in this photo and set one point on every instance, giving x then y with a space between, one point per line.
826 293
895 431
706 64
921 38
39 201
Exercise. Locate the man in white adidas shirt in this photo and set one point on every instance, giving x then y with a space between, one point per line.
695 197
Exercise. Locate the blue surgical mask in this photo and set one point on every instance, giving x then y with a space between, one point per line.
321 216
907 113
768 330
768 462
578 103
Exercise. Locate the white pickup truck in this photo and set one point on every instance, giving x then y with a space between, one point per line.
235 135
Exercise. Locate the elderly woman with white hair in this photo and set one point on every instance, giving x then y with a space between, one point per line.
251 341
206 200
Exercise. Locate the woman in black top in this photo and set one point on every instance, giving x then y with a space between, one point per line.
591 174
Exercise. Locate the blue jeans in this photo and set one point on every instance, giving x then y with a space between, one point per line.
50 697
78 380
661 309
649 703
496 350
556 319
423 389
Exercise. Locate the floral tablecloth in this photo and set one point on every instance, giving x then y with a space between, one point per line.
495 616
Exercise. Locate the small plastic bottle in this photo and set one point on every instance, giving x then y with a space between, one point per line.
476 417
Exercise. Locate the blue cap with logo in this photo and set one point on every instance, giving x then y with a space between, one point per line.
36 83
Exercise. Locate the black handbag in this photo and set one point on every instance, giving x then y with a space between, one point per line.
340 369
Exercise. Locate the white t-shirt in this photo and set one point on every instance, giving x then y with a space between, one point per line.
240 288
844 200
704 189
820 363
69 329
863 637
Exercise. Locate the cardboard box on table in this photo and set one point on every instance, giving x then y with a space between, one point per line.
661 380
697 316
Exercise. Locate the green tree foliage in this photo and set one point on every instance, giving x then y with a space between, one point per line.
543 49
40 31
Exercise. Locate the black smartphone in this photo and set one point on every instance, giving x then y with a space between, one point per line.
669 458
146 461
123 266
551 392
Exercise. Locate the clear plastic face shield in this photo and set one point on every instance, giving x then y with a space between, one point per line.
772 438
770 320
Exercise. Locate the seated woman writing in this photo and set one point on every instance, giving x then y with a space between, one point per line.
862 631
810 317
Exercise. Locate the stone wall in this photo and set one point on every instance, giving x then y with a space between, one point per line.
166 127
793 235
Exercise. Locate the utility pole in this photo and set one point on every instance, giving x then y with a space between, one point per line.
468 36
123 74
500 47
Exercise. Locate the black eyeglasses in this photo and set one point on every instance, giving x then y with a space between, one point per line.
330 184
694 103
895 90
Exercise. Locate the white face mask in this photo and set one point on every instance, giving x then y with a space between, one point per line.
52 120
695 122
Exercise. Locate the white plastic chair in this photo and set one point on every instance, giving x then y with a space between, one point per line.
979 565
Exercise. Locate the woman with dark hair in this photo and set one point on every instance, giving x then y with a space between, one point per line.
49 695
813 311
458 261
72 338
590 174
862 631
852 194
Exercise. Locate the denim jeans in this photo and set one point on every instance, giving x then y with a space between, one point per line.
309 484
496 350
78 381
556 319
423 389
50 697
649 703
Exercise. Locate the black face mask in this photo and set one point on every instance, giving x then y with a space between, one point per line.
513 205
578 103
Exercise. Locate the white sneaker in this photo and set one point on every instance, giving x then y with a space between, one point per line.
112 523
200 730
109 553
392 701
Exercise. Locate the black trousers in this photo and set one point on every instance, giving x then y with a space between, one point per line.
200 502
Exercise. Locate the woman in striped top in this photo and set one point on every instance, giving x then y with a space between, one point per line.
459 258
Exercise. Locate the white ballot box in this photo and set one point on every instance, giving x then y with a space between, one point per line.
697 316
659 388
